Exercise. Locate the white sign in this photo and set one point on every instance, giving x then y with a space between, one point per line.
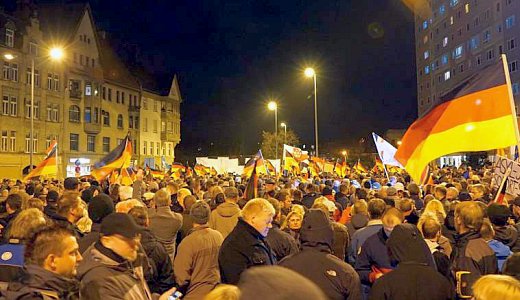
505 166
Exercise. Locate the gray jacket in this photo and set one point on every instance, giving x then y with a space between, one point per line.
165 224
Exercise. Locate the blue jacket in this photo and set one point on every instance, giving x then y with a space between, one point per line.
501 251
360 236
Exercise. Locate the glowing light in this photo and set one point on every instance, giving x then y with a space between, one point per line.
272 105
470 127
8 56
283 125
56 53
309 72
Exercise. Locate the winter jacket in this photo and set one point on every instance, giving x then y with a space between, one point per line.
415 276
105 275
337 279
508 235
63 222
360 236
187 225
342 199
419 203
357 222
196 263
341 240
37 282
224 218
160 275
308 199
165 224
502 252
243 248
470 259
90 238
282 244
442 261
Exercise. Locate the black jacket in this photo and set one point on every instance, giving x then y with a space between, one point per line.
336 278
308 199
342 199
63 222
243 248
90 238
415 276
37 281
471 254
282 244
160 274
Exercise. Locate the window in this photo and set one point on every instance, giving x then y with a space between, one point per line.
461 68
75 89
50 81
145 125
145 103
123 97
516 88
109 94
151 148
155 126
9 37
144 147
486 37
442 9
74 114
120 121
4 145
56 82
457 53
511 44
12 141
91 143
96 115
466 8
117 96
157 146
454 2
104 93
425 25
88 89
36 77
155 105
447 75
5 105
88 115
491 54
106 118
510 21
52 112
513 66
49 112
473 44
445 41
163 126
106 144
426 54
130 122
13 106
36 109
444 59
33 49
451 20
74 141
479 60
28 143
10 71
136 122
498 7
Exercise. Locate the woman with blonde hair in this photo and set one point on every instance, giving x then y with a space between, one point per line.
490 287
292 224
435 206
25 223
224 292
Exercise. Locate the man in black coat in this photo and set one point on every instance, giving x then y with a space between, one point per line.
308 199
245 246
415 276
336 278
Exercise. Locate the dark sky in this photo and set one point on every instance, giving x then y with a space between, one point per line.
231 56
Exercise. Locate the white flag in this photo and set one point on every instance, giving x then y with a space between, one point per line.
386 151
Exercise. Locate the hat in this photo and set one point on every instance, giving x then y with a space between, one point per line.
391 191
464 196
326 191
100 207
200 212
316 228
498 214
399 186
120 223
70 183
52 196
515 202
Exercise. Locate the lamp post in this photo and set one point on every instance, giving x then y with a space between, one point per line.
272 106
344 153
284 132
55 53
309 72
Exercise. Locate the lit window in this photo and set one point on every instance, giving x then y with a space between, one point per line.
426 54
451 20
457 53
466 7
447 75
473 44
427 70
454 2
442 9
510 21
445 41
444 59
9 37
425 24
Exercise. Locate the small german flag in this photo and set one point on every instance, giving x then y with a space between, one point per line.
48 165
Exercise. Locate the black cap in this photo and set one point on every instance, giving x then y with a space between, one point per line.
120 223
100 207
464 196
326 191
70 183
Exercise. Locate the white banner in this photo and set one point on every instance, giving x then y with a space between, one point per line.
505 166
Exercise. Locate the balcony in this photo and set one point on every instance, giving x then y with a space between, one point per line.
167 114
75 94
169 137
92 128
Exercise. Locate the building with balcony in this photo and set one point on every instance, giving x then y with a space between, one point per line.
89 101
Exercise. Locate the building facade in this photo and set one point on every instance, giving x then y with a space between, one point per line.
89 101
457 38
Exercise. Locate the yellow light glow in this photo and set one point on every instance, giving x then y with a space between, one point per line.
399 143
283 124
8 56
344 152
56 53
272 105
309 72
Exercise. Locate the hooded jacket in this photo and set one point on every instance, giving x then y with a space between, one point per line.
508 235
105 275
415 276
336 278
224 218
243 248
357 222
37 282
281 242
160 274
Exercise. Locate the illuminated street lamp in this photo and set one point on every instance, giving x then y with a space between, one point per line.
285 132
309 72
273 106
56 54
344 153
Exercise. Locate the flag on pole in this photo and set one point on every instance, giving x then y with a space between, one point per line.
200 170
358 167
386 151
116 160
378 166
292 158
48 165
251 190
477 115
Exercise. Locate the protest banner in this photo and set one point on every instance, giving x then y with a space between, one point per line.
507 167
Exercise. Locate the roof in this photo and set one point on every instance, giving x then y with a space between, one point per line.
60 21
113 68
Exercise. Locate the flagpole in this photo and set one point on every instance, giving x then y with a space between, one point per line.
386 172
511 98
501 186
57 169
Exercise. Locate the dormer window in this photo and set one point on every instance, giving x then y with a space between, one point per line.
9 37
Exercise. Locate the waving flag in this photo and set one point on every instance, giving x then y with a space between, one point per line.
386 151
378 166
116 160
49 164
292 158
477 115
358 167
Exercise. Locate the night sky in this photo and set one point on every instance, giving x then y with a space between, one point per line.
232 56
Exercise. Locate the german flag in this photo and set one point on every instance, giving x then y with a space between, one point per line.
477 115
48 165
359 167
378 167
251 190
116 160
200 170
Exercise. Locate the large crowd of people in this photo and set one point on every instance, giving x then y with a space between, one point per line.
365 236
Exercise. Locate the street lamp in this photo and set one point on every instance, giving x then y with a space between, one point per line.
55 53
285 132
344 153
272 106
309 72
